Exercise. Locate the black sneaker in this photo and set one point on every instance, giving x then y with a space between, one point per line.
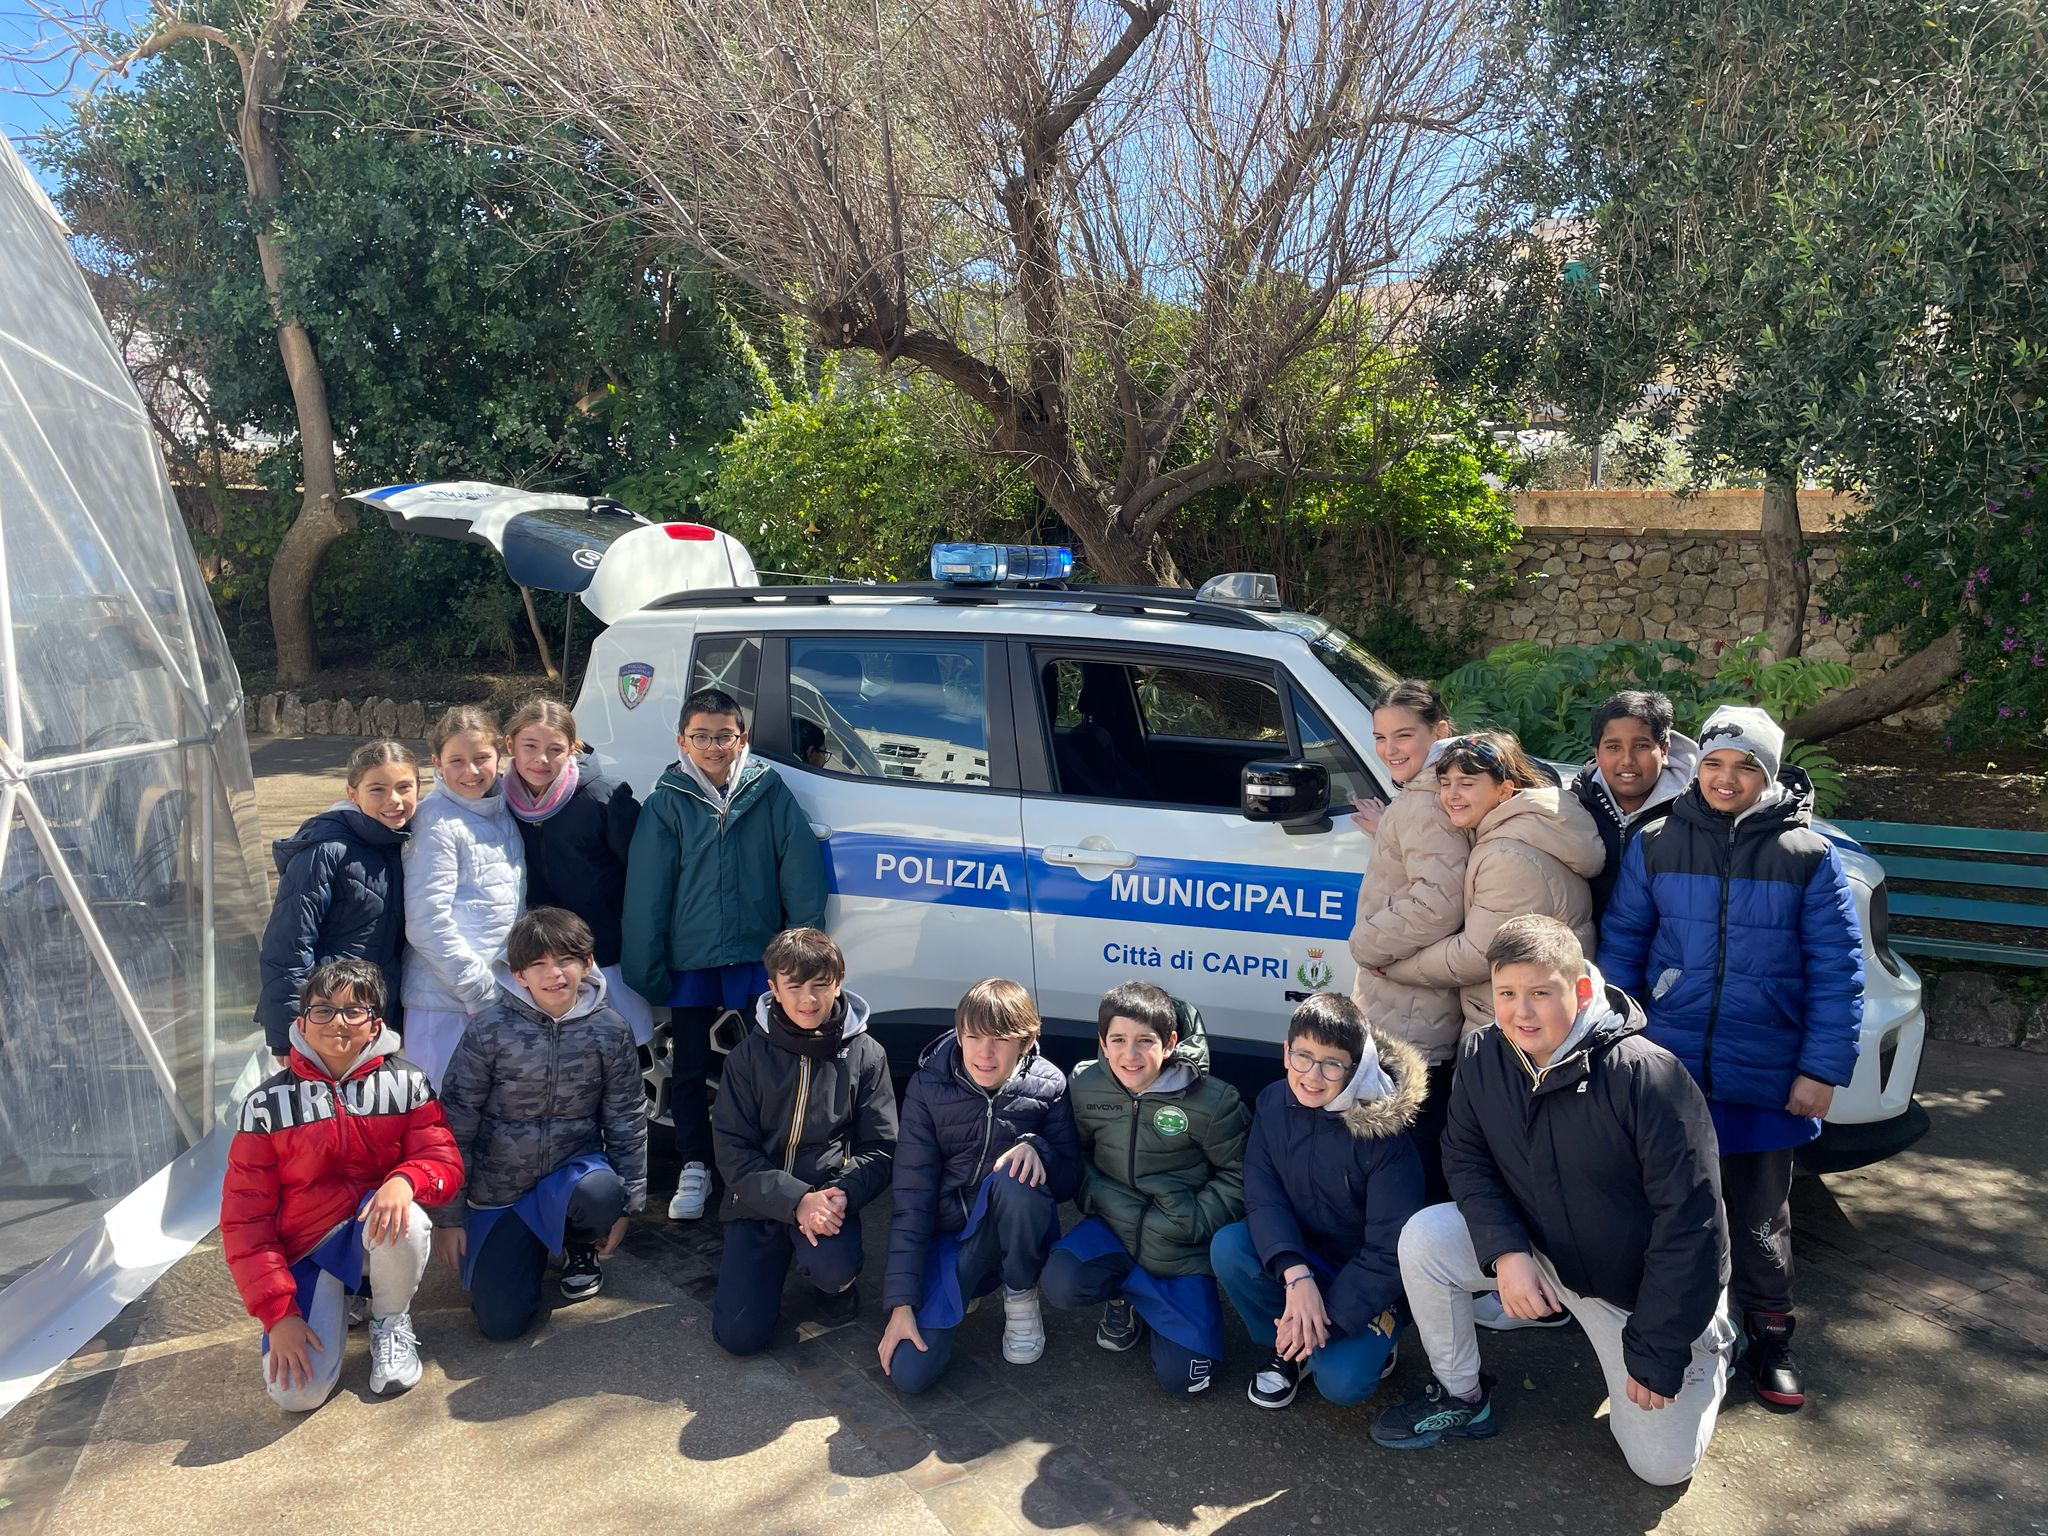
838 1308
1436 1416
1769 1360
1120 1328
1277 1381
581 1278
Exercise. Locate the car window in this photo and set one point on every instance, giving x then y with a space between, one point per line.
731 663
1165 734
1320 743
910 709
1217 706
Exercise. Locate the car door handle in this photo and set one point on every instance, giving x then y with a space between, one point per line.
1091 858
820 831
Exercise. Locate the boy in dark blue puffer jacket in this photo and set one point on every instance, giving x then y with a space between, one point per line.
1733 923
986 1152
1330 1178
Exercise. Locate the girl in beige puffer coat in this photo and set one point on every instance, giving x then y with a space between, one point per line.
1534 847
1413 896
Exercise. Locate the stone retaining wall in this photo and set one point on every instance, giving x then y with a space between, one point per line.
1653 567
286 714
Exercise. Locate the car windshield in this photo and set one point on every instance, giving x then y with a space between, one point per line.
1350 663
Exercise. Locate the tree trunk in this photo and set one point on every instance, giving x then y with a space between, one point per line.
547 660
1114 554
1787 580
1919 676
323 517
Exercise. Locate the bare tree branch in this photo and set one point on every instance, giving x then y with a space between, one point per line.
1128 231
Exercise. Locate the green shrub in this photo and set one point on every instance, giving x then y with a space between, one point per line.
1547 694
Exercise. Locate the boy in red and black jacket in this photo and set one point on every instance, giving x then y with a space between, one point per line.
327 1174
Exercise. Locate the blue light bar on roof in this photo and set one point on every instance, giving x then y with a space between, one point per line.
981 564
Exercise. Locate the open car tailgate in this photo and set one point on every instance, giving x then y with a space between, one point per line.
613 558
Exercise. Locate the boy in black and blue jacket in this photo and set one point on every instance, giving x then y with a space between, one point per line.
1733 924
1330 1178
986 1152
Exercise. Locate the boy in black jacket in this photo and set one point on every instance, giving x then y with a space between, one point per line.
1584 1168
987 1154
804 1130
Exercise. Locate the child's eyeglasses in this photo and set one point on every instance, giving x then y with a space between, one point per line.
1477 747
1328 1071
705 739
357 1016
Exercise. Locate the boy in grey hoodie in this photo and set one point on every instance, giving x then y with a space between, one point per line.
545 1101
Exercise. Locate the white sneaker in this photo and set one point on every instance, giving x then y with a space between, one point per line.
1023 1326
394 1354
1488 1313
692 1191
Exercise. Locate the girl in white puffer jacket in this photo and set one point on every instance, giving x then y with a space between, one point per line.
465 884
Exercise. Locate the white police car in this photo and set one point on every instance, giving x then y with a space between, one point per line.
1072 786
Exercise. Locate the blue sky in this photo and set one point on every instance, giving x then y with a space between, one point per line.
25 107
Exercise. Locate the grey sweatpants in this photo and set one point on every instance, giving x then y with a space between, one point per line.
394 1270
1663 1445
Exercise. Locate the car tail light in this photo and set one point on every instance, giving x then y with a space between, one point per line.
691 533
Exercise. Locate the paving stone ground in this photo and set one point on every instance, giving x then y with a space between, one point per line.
1924 1328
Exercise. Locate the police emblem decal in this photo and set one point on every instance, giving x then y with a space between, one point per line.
1314 972
635 678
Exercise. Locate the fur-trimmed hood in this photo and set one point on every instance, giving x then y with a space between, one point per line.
1391 1113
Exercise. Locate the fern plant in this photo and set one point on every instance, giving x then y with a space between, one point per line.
1546 694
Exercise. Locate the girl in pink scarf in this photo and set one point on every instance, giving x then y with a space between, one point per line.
577 826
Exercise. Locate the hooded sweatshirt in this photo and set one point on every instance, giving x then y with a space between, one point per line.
465 880
310 1146
1534 852
526 1093
713 877
788 1120
1681 762
1413 896
1332 1187
340 895
1603 1161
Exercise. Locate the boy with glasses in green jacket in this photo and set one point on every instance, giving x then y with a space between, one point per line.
723 859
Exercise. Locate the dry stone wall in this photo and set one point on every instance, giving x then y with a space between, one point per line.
1650 566
286 714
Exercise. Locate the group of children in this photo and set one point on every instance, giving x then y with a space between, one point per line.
1491 1133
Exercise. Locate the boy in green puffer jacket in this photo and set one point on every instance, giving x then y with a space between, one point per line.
722 860
1163 1149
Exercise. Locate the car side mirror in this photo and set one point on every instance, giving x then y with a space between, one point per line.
1294 792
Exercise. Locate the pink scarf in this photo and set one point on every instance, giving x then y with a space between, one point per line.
540 807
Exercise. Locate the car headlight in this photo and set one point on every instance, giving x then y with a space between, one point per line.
1881 929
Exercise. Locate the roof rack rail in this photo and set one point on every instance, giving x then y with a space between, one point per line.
1129 602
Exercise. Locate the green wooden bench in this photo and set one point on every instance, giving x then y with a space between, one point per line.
1906 851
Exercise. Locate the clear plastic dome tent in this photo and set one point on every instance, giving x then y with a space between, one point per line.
132 883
